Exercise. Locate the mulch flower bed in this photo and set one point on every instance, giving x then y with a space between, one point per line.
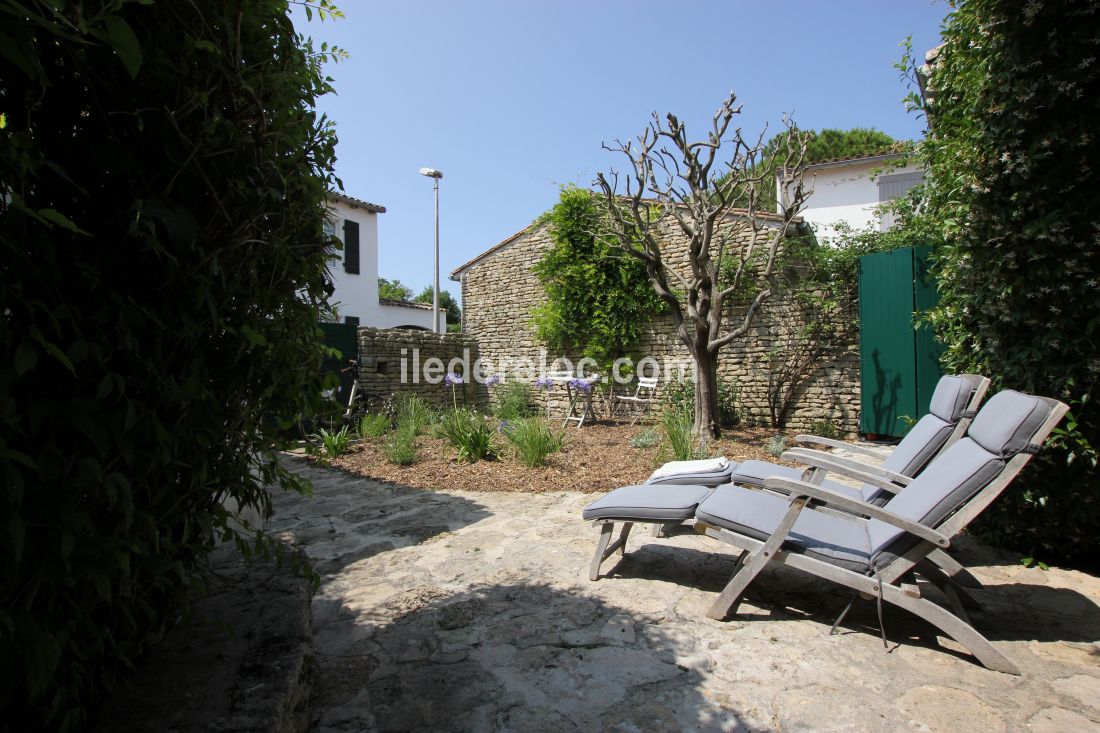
596 458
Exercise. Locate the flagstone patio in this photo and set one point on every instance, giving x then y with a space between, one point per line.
461 610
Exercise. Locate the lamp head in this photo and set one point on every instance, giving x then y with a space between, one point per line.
431 173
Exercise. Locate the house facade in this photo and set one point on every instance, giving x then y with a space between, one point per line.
850 189
354 271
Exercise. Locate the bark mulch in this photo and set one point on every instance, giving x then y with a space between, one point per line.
596 458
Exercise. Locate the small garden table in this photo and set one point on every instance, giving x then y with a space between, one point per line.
579 392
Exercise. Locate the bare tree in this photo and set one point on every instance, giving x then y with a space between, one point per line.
711 203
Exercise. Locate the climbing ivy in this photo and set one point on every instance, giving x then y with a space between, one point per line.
1012 100
597 297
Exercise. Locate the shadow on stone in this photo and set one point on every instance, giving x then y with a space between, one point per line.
1011 611
241 661
516 656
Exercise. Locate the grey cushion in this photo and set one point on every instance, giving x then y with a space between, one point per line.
950 398
918 446
952 479
756 472
647 502
1007 421
830 537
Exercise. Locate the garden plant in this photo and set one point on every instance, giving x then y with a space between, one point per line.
179 141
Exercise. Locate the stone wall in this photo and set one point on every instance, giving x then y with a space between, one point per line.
399 360
500 290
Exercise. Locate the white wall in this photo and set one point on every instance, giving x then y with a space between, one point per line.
357 295
848 193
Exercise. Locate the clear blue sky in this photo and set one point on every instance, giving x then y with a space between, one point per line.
513 99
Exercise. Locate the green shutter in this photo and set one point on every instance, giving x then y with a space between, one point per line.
351 247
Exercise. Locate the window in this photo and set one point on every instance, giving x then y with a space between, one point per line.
351 247
895 186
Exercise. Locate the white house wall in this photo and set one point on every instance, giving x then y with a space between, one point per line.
847 193
357 295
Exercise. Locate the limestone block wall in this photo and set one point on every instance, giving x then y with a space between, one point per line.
500 290
401 360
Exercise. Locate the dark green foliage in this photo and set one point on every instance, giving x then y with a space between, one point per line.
162 184
830 144
395 290
598 297
1013 103
446 300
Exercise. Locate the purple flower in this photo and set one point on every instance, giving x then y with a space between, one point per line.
502 426
493 380
544 383
452 379
581 385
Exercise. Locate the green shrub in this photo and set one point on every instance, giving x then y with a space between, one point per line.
826 429
413 412
163 170
533 440
514 401
680 395
776 446
678 424
334 442
400 446
373 425
646 439
468 432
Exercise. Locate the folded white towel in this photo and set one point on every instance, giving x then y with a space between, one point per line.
680 468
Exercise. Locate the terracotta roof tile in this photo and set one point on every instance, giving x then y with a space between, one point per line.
357 203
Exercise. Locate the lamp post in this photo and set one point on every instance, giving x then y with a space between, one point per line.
433 173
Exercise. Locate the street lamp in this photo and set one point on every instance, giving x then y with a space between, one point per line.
433 173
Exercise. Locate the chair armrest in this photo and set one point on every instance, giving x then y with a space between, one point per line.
830 498
827 462
853 466
830 443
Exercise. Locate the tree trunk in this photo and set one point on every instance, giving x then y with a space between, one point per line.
706 395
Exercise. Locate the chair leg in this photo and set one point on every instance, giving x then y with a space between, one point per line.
746 572
951 588
954 627
954 569
605 550
601 549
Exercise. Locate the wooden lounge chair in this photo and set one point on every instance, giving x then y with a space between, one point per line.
954 404
874 550
952 408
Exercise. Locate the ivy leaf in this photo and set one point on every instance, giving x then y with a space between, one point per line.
122 39
54 216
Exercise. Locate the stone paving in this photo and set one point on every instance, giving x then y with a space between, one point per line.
472 611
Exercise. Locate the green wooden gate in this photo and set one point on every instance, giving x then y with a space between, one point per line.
899 363
344 338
